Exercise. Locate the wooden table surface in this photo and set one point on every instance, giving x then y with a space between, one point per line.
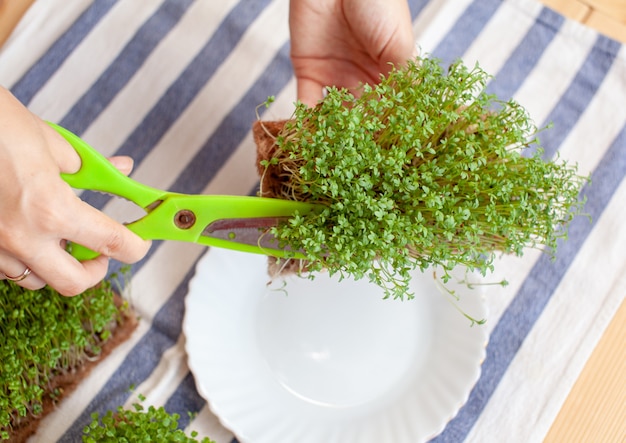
10 13
595 410
605 16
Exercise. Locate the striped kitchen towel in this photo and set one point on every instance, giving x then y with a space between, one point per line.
175 85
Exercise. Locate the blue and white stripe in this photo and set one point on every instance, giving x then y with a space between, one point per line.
175 84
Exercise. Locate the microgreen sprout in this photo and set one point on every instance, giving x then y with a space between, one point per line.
453 298
43 335
423 169
143 424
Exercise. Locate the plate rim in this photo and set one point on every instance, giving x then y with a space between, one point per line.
230 422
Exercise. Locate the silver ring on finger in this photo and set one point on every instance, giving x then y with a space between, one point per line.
20 277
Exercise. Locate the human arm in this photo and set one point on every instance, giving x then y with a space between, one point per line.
39 211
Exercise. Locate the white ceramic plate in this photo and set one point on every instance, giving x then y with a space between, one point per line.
326 361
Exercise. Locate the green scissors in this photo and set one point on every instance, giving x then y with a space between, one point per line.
233 222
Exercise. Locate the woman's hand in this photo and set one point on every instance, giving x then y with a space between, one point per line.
39 211
347 42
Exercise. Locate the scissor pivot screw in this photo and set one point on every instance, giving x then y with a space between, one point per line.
184 219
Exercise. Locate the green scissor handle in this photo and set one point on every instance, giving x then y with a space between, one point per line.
98 174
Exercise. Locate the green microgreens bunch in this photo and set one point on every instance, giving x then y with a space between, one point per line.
138 425
42 335
423 169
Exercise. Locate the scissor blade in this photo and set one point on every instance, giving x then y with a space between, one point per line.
210 220
238 233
